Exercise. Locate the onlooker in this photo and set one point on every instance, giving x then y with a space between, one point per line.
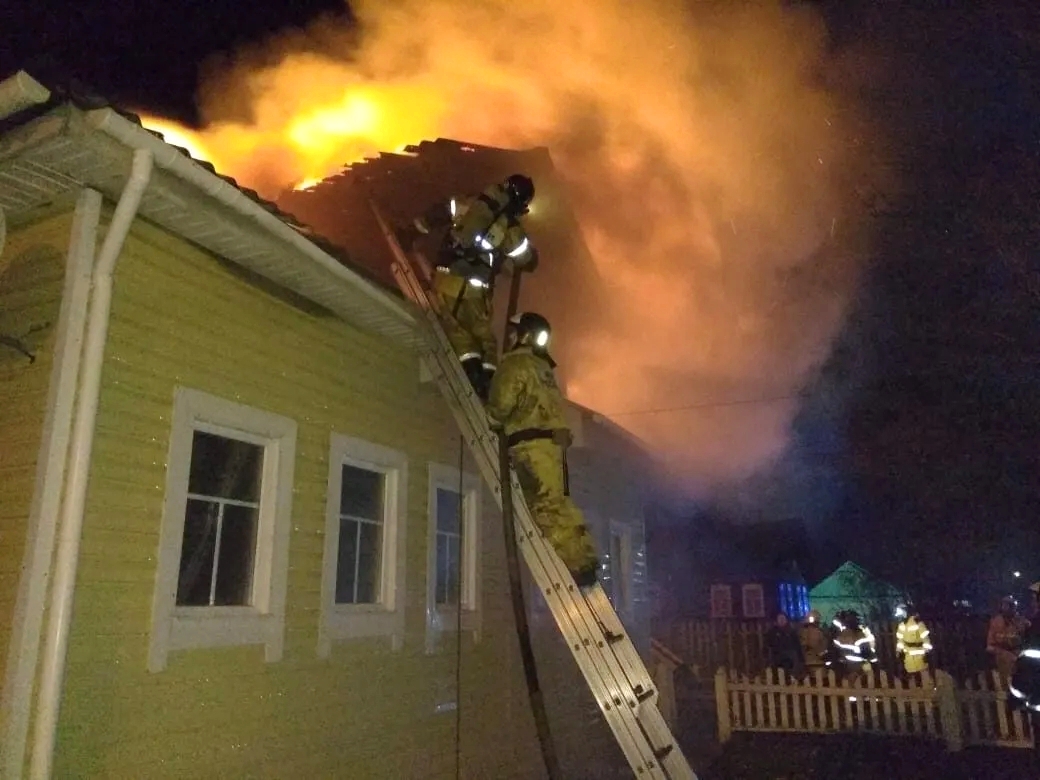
814 642
785 650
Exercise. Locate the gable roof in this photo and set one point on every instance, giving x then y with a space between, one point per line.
54 142
852 581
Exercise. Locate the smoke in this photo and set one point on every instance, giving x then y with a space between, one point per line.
712 164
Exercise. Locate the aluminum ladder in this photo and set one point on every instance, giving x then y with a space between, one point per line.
612 667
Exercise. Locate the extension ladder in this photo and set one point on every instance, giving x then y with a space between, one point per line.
596 637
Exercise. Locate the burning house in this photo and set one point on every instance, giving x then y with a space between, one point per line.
233 542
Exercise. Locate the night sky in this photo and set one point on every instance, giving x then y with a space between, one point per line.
936 464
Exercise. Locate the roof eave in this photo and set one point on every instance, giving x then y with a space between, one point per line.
376 309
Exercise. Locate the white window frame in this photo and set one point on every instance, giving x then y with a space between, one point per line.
341 622
745 591
715 612
182 628
439 619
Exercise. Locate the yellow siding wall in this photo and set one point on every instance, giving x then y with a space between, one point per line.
181 318
32 272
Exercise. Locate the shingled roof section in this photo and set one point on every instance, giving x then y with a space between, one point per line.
66 90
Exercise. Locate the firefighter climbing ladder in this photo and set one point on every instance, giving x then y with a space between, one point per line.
606 656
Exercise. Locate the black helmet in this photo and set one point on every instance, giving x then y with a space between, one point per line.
532 329
521 191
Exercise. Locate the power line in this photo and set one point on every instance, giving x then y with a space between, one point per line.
706 405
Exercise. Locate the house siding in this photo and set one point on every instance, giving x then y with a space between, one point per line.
32 273
182 318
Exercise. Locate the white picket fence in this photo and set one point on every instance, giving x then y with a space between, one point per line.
931 706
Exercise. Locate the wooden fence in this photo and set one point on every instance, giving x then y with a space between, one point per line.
706 645
931 706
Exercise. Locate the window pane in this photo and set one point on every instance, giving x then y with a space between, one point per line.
197 546
447 511
237 552
447 587
225 468
348 533
369 560
440 589
361 493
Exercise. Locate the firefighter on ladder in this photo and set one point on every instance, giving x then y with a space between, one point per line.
913 642
526 404
483 235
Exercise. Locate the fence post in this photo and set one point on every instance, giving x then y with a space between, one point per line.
722 705
949 712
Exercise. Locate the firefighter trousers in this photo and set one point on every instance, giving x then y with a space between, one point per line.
465 313
539 467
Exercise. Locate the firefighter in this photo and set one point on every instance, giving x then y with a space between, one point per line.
527 406
912 642
483 235
1004 636
855 645
1025 681
814 642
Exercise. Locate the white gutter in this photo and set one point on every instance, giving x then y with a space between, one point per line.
56 639
19 92
24 651
136 137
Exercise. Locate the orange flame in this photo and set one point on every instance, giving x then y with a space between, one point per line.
707 160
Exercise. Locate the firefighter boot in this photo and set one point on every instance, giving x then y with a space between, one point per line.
475 373
585 577
408 235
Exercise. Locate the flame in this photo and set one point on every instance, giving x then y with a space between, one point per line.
178 135
707 157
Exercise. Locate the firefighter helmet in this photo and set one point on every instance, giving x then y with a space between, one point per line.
532 329
520 189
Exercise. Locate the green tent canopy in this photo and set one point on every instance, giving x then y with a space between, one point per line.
851 586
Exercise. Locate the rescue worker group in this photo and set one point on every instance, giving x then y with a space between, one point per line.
849 647
480 237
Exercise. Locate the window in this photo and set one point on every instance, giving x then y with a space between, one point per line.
754 601
721 601
453 561
793 600
365 521
224 540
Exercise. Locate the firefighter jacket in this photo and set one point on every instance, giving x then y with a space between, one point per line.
913 643
856 646
1025 681
1005 634
484 235
1003 640
524 394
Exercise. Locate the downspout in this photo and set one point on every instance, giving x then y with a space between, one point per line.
30 605
56 638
